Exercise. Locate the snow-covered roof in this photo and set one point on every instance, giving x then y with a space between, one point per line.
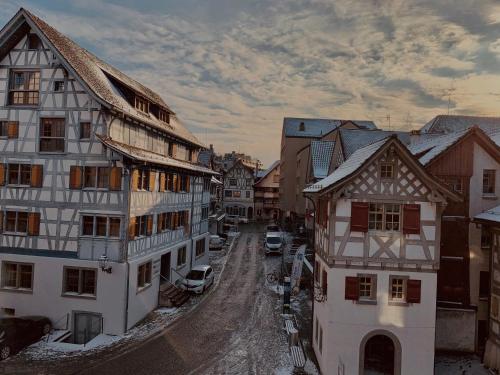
453 123
140 154
316 128
435 145
348 167
495 137
492 214
213 180
321 155
101 79
204 157
353 139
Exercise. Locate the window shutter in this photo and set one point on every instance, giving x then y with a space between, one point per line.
131 228
188 182
36 175
12 129
411 219
135 179
186 222
2 174
75 177
115 181
162 182
359 216
351 288
178 183
149 225
152 180
174 151
159 223
1 221
33 223
413 288
174 184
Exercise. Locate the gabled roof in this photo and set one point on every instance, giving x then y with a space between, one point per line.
205 157
453 123
353 139
264 173
431 147
365 155
492 216
139 154
244 165
316 128
96 75
495 137
321 156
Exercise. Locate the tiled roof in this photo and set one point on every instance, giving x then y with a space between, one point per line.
492 214
316 128
98 76
353 139
321 155
140 154
263 173
348 167
431 147
453 123
496 138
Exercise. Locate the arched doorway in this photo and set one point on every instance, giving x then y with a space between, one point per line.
380 354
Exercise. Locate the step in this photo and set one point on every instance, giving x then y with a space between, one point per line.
298 357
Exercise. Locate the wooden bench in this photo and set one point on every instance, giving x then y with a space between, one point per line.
298 358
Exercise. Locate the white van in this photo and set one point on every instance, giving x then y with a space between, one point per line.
273 243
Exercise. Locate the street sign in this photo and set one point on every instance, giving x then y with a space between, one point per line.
298 261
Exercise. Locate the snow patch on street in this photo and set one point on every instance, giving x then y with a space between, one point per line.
459 365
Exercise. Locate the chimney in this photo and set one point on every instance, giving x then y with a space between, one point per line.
211 147
414 136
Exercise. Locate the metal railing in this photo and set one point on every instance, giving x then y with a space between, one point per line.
54 325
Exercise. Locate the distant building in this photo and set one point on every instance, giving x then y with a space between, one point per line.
266 192
296 137
238 190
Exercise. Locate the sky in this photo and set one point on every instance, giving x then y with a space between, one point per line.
232 69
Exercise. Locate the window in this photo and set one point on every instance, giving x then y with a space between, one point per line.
17 276
181 256
206 184
144 275
232 182
4 126
397 291
16 222
367 287
101 226
484 284
85 130
79 281
34 42
247 194
387 170
59 86
24 87
52 133
200 247
384 216
141 104
141 225
143 181
96 177
204 213
249 182
488 181
454 183
164 116
228 193
19 174
485 238
236 194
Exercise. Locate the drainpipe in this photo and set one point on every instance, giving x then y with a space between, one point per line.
191 222
128 193
313 264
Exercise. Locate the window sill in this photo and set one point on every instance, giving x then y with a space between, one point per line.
53 152
16 290
490 196
17 186
143 288
199 256
80 296
23 105
366 301
20 234
398 303
180 267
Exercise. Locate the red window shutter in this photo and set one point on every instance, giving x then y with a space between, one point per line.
411 219
131 228
351 288
12 129
413 288
359 216
149 225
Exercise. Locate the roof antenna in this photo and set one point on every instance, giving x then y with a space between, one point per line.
388 117
450 91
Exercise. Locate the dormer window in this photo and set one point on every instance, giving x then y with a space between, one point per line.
34 42
302 127
164 116
141 104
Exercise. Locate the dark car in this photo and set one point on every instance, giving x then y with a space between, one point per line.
17 333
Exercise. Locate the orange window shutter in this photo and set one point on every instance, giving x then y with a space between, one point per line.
115 179
179 183
161 188
188 183
135 179
13 129
149 225
174 185
152 180
174 150
159 223
36 175
33 223
75 177
131 228
2 174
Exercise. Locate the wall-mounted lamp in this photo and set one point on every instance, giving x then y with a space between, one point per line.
103 264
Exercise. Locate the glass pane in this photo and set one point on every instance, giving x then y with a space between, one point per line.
25 174
26 271
14 174
114 227
88 281
10 225
88 226
89 177
100 228
71 280
10 278
103 177
22 222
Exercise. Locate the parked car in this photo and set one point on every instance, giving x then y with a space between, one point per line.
234 219
216 242
18 332
273 243
198 279
273 228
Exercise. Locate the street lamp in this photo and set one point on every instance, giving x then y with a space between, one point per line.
103 264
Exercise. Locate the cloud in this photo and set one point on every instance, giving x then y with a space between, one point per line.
232 70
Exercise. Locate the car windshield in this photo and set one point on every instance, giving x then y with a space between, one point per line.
273 228
195 275
273 240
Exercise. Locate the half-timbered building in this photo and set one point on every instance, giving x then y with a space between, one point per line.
101 197
377 246
266 191
238 190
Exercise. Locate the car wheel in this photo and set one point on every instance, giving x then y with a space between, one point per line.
203 290
4 352
46 329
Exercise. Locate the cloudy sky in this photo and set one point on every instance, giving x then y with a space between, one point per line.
233 69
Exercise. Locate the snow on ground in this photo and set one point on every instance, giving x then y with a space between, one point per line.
154 323
459 365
